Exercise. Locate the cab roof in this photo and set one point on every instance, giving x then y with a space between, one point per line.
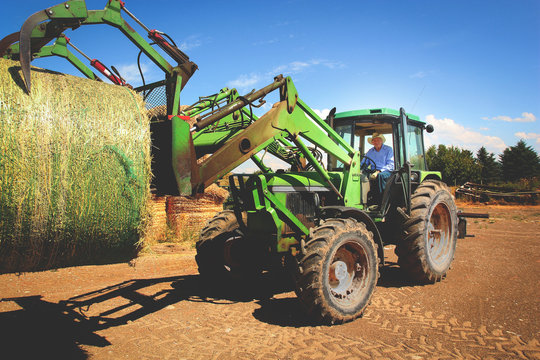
392 114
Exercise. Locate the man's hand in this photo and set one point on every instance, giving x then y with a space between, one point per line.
373 176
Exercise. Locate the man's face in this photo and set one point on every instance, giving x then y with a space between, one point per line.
377 143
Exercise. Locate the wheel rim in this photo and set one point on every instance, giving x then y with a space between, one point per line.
230 249
349 273
439 236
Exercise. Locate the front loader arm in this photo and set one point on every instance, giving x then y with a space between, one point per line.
288 122
211 138
275 125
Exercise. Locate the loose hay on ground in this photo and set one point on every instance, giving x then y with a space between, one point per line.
74 171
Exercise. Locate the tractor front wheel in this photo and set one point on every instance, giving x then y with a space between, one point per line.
223 251
429 243
338 271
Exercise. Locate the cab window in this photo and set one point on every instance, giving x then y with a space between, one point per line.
415 147
344 130
365 130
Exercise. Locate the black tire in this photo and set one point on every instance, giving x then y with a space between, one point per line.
338 272
429 243
222 249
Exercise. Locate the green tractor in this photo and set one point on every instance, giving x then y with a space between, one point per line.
327 221
323 218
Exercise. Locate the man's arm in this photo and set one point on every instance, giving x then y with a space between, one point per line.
367 162
389 159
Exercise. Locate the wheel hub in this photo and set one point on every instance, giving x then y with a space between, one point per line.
346 272
340 277
340 270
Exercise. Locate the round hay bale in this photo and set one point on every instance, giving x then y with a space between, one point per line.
74 171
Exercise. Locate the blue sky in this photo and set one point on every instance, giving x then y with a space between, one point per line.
470 68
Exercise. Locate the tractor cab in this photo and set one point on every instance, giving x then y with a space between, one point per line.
358 126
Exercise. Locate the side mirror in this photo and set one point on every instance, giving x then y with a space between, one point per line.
430 128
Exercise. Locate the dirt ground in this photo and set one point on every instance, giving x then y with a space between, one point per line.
488 307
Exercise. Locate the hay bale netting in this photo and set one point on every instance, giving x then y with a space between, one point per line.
74 171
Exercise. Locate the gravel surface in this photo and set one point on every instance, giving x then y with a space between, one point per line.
157 308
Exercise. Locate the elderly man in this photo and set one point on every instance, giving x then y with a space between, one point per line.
381 159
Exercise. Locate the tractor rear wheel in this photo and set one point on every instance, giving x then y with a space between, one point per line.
430 238
338 272
222 249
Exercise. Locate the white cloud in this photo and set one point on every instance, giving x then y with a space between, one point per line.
190 42
525 117
187 45
418 75
322 113
245 82
274 163
130 72
299 66
268 159
528 136
247 167
449 132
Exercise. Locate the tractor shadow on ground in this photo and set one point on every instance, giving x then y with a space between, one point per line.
288 312
43 329
392 276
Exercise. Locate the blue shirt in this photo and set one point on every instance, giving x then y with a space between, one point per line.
384 158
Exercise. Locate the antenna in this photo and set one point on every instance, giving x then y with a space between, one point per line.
418 98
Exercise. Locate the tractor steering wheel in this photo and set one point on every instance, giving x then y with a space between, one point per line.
368 166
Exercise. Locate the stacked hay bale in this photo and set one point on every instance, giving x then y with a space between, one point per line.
187 216
181 218
74 171
176 218
157 226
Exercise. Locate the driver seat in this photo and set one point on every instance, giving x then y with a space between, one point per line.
377 200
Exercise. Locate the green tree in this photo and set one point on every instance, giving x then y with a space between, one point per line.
519 161
457 166
490 170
